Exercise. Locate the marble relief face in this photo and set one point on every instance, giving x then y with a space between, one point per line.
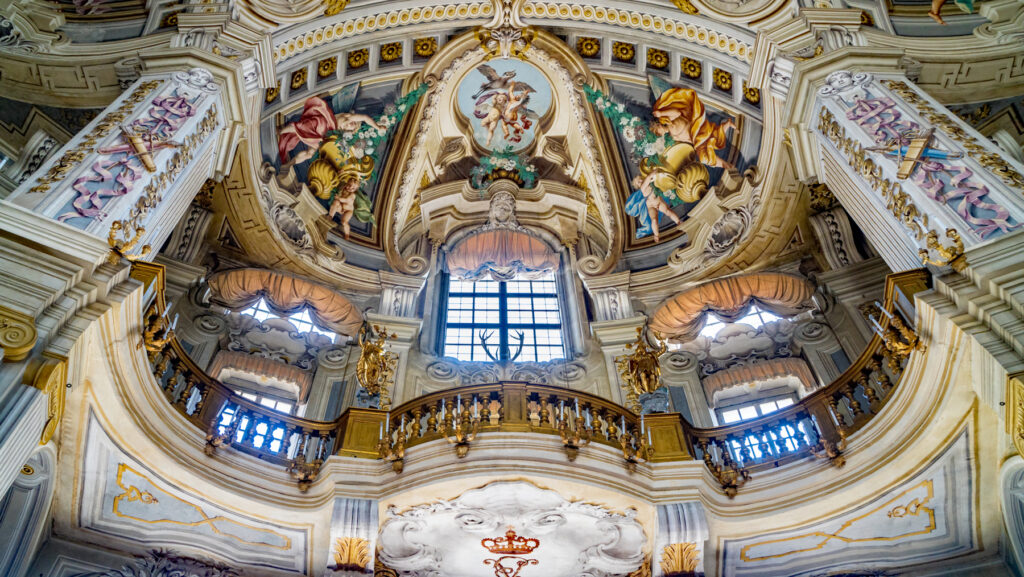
473 535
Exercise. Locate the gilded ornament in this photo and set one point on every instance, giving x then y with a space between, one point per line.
822 198
640 368
71 158
865 18
751 94
358 58
391 51
657 58
27 470
722 80
273 92
332 7
17 334
679 558
375 369
351 554
299 78
506 41
686 6
304 471
327 67
424 47
623 51
51 378
170 19
951 255
690 68
1015 410
588 47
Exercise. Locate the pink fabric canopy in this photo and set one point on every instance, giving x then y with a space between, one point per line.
682 316
502 253
285 295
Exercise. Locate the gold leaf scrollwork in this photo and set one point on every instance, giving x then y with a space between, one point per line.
679 559
17 334
1015 410
51 378
376 366
640 368
951 255
351 554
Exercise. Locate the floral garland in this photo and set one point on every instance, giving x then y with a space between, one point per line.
504 164
366 140
635 130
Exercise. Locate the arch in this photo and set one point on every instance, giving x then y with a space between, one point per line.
25 511
285 294
682 316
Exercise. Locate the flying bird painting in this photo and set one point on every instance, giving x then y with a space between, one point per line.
504 101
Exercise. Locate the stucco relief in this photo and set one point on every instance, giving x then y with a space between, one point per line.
457 538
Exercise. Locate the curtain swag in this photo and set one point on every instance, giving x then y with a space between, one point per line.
285 295
502 254
682 316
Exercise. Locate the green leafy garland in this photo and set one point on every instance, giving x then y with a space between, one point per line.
506 161
635 130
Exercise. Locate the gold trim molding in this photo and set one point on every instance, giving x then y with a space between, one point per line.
1015 409
51 378
17 334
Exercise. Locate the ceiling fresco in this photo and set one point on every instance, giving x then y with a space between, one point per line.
504 101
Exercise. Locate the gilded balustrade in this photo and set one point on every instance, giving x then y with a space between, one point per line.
817 425
820 423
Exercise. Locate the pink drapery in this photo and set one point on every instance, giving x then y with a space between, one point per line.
263 368
502 254
285 295
317 119
682 316
760 372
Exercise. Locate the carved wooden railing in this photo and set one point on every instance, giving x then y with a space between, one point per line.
820 423
816 425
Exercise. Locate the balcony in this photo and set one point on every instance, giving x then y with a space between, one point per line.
817 426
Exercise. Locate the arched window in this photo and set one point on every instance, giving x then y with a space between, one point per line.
516 320
302 321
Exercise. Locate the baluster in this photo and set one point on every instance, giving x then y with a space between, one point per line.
186 392
201 388
545 413
485 410
855 409
286 442
432 419
596 424
417 414
885 385
613 431
863 379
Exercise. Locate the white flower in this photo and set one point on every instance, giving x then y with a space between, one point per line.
357 153
531 169
600 103
629 135
401 107
621 108
369 150
382 131
508 164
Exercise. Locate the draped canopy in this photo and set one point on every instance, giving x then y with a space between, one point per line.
501 253
285 295
682 316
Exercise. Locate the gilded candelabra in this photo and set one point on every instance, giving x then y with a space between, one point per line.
461 427
304 471
636 448
640 368
575 432
392 449
375 369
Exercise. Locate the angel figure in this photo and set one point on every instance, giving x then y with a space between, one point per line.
344 204
640 368
935 13
647 203
504 104
681 115
316 120
375 366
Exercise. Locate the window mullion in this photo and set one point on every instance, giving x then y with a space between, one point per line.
503 347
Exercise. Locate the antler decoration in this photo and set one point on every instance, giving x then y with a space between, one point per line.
375 369
640 369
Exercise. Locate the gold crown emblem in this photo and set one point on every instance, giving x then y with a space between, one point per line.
510 544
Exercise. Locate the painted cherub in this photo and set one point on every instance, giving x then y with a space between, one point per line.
344 204
646 204
495 116
507 109
935 13
680 114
